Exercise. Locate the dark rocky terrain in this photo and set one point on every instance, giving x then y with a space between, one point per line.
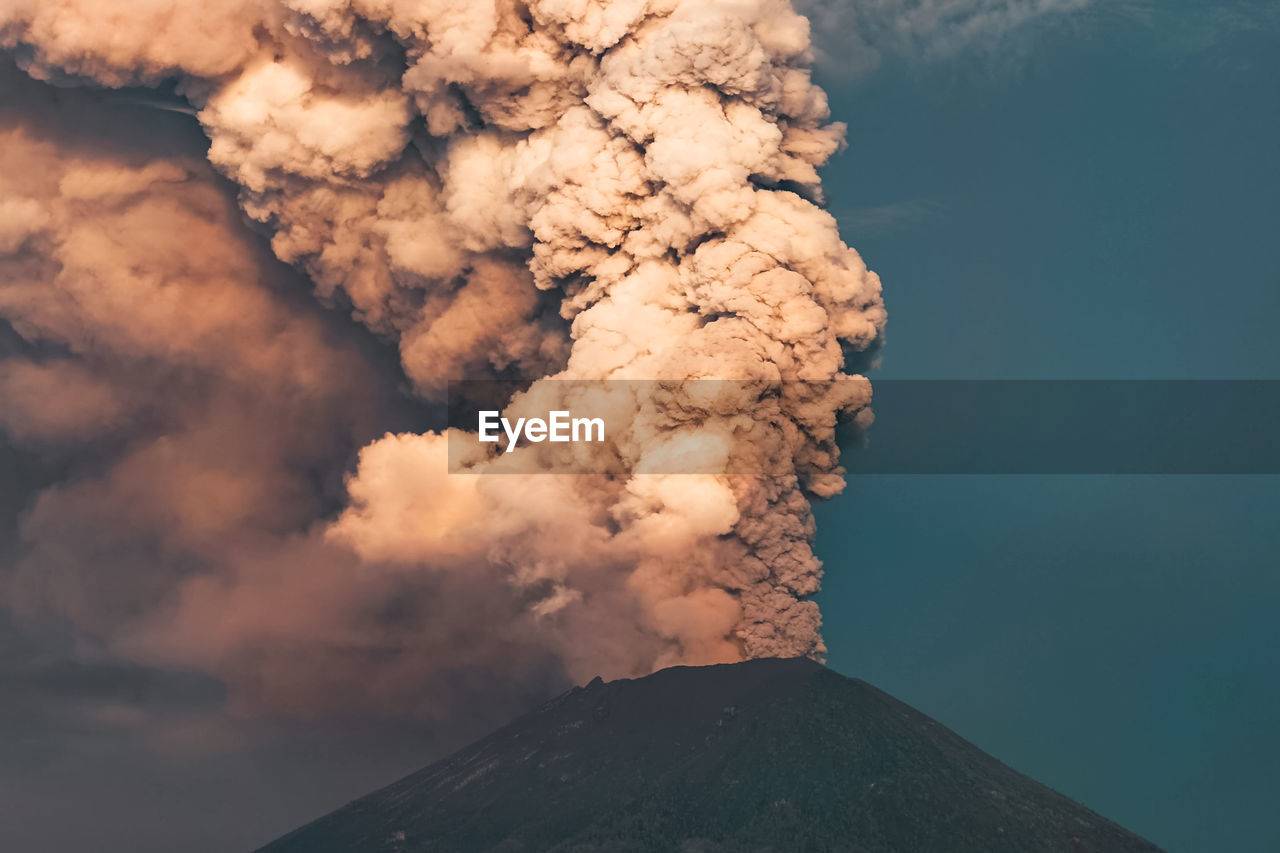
768 755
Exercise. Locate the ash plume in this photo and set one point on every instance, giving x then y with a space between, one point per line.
552 189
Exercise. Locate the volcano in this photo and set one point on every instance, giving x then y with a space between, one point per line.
764 756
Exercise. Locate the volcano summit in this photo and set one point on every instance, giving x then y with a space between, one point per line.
762 756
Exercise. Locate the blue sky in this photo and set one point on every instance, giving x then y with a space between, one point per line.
1085 190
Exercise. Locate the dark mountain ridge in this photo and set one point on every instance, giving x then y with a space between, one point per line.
763 756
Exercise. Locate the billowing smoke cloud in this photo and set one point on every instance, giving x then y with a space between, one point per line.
566 189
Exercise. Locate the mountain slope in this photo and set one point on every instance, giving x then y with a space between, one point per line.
767 755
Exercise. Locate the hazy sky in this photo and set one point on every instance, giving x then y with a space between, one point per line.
1050 189
1097 200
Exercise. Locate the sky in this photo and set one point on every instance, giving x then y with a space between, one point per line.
1097 200
1049 189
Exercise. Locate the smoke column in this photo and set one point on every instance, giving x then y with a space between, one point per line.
559 189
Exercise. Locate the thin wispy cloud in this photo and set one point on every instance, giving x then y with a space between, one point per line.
1187 25
856 37
882 219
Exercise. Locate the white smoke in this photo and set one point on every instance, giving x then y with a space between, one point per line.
559 189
